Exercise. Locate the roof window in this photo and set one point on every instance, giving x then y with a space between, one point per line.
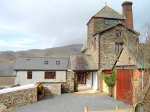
46 62
57 62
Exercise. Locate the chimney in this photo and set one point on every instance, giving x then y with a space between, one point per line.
127 12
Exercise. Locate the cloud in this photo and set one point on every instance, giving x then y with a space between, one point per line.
35 24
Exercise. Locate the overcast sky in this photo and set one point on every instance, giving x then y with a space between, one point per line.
38 24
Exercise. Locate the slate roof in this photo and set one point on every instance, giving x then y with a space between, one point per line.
108 12
83 62
42 64
115 25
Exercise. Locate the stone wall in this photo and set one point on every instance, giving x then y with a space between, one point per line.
18 97
68 86
52 89
108 54
146 101
104 52
4 108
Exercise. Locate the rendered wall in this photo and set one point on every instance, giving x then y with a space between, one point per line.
38 76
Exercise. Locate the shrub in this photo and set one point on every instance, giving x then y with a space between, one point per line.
110 81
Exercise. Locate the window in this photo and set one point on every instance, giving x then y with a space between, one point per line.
118 33
57 62
118 47
94 43
29 75
46 62
50 75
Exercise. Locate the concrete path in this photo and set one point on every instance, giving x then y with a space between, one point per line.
73 103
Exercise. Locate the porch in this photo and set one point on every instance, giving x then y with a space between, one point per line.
86 80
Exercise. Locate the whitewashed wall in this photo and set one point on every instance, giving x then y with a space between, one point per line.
89 80
92 81
95 81
105 88
38 76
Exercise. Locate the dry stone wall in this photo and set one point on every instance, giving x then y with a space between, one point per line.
3 108
52 89
19 97
68 86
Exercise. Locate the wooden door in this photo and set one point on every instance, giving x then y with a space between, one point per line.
124 86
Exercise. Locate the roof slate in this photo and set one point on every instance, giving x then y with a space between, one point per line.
83 62
108 12
42 64
115 25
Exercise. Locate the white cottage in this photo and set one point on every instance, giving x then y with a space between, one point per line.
66 74
52 72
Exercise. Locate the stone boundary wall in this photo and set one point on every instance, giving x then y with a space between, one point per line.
68 86
52 89
18 96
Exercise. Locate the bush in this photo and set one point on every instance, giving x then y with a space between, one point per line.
110 81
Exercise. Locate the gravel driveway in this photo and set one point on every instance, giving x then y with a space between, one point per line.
72 103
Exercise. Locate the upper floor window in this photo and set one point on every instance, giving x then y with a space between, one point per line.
118 33
118 47
29 74
57 62
94 43
50 75
46 62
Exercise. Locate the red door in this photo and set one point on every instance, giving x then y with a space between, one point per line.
124 86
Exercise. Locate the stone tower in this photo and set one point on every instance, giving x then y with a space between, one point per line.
108 32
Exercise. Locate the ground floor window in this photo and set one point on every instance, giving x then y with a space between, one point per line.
50 75
29 75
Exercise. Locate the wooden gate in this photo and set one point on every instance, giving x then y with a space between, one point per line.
124 86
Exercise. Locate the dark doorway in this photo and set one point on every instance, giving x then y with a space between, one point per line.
81 78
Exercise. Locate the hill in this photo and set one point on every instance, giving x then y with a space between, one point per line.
8 58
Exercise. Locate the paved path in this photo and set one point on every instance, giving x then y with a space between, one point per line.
72 103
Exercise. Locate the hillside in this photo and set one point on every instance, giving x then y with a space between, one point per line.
7 58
